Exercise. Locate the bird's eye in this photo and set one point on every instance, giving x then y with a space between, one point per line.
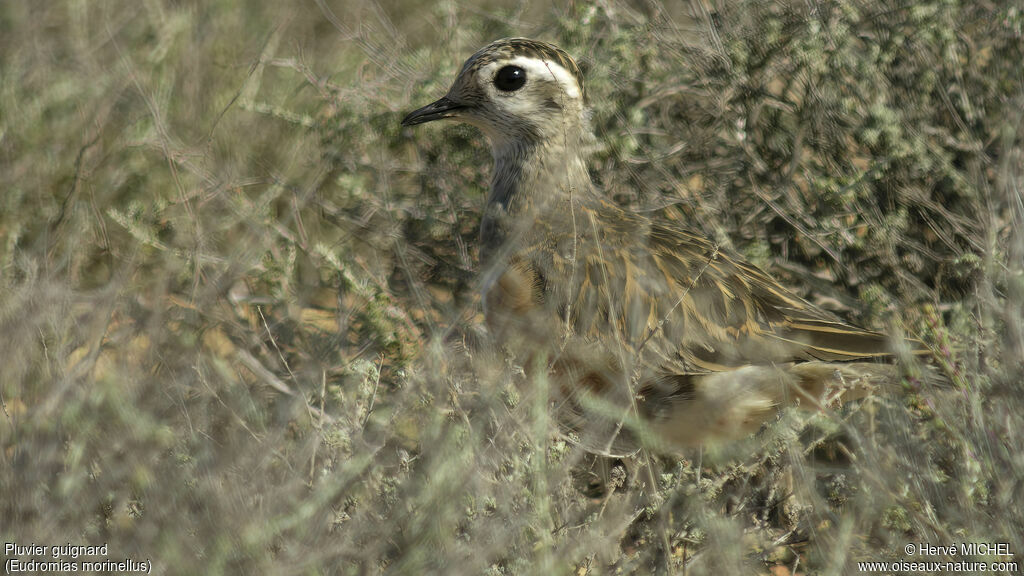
510 78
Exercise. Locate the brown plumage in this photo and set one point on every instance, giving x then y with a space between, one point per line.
648 333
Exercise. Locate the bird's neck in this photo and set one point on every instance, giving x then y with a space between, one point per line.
533 177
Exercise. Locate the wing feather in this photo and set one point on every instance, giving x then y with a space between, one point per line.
664 287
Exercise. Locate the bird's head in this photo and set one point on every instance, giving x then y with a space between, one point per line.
516 90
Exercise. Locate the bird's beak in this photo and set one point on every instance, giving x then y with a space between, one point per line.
443 108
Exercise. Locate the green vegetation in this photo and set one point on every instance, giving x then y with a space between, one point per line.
239 331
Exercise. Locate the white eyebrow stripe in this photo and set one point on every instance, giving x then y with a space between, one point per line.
545 68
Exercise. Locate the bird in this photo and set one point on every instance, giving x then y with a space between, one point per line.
645 333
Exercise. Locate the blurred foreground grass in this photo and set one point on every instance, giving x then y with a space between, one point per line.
238 325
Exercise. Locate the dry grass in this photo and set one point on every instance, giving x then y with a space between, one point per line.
238 324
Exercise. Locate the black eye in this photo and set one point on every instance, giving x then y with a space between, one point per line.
510 78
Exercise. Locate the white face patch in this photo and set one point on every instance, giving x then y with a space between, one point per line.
535 68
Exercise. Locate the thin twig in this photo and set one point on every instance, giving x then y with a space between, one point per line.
319 426
373 397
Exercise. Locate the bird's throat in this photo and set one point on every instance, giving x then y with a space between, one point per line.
529 180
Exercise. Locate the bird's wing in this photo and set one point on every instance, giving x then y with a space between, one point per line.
656 287
752 318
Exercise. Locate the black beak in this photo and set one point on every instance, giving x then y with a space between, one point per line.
443 108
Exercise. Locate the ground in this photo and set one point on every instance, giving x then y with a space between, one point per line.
239 328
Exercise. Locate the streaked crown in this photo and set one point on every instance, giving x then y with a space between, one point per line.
516 90
508 49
